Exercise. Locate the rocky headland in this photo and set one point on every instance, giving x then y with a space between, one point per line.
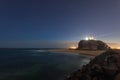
92 45
105 66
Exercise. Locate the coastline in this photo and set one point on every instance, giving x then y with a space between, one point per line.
82 52
99 68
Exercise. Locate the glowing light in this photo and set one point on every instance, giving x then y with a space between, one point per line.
118 47
115 47
73 47
86 38
89 38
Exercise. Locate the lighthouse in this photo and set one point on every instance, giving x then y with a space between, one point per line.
90 43
90 38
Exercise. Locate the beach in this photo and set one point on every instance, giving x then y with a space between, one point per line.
82 52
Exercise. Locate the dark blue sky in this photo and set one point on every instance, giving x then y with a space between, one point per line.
40 23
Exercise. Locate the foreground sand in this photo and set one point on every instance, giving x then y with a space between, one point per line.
83 52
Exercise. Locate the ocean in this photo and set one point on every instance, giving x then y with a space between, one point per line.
38 64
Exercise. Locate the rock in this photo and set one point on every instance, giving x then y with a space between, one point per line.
103 67
117 77
92 45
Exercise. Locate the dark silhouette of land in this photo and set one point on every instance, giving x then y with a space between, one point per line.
106 66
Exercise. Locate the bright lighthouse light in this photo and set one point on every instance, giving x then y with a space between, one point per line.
86 38
89 38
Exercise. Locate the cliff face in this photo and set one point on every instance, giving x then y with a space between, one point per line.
92 45
103 67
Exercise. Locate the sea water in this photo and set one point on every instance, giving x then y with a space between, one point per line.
30 64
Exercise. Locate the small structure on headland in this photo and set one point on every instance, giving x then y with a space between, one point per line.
92 44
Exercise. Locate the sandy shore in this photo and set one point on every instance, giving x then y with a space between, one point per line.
83 52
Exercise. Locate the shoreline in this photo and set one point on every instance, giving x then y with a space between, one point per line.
82 52
100 68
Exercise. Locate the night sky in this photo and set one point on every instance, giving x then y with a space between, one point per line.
57 23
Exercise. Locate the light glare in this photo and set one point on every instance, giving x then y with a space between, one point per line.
86 38
73 47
